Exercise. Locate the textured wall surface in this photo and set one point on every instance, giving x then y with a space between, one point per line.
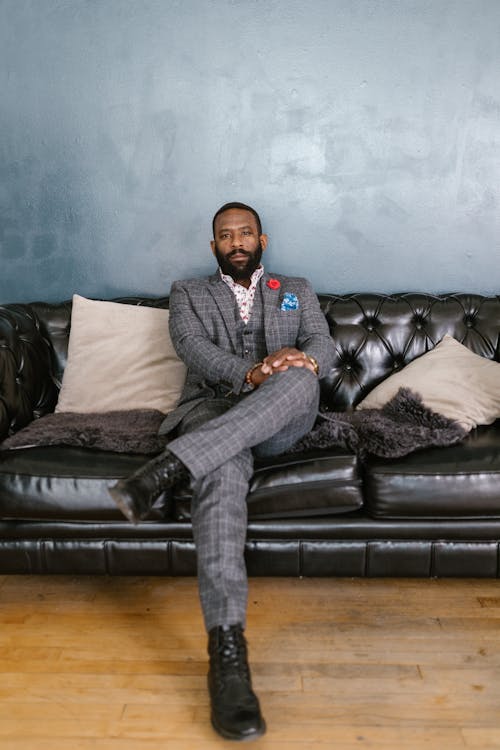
366 132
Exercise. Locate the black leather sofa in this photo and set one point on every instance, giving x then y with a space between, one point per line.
435 512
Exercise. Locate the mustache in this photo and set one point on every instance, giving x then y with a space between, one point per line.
238 252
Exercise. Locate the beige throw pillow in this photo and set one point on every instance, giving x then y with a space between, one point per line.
120 357
452 381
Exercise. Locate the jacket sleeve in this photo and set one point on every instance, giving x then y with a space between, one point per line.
194 346
314 336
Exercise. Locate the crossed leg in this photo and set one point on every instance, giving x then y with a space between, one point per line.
219 509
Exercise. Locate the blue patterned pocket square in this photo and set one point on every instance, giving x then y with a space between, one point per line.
289 302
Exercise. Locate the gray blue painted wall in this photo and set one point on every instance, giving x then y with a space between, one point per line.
367 133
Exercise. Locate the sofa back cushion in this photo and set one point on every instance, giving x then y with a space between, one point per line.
120 357
55 322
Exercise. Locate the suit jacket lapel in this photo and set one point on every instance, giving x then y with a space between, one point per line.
270 299
226 303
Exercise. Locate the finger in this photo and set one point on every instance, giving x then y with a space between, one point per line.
278 362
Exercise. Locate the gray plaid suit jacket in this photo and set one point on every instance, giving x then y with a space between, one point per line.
202 328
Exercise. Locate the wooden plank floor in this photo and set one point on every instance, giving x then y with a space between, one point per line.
120 664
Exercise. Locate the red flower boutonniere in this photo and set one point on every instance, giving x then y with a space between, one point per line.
273 284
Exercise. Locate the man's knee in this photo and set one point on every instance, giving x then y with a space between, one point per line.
303 386
297 379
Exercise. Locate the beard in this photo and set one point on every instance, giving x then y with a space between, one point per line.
240 272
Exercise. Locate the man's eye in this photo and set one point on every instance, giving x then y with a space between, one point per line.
247 231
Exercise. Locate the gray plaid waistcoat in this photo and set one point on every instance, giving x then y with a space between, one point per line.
250 338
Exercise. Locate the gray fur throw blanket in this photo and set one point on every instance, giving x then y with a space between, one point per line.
134 431
402 426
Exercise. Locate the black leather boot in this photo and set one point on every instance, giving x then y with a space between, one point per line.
136 494
235 707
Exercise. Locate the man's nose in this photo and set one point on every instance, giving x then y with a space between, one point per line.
237 241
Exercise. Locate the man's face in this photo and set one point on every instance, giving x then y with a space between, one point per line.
237 244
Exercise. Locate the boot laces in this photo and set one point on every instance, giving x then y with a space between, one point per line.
232 651
157 470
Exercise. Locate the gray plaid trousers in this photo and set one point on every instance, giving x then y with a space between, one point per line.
218 444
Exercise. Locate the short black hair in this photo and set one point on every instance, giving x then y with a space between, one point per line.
242 206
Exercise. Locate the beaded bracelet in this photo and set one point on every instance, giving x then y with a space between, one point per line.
248 376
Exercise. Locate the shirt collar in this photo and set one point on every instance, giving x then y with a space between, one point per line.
254 279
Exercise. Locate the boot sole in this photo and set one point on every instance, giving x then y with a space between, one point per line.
238 737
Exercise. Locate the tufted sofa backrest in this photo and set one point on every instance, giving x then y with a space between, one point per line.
374 334
377 334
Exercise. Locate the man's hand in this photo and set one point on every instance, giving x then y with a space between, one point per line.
280 361
285 358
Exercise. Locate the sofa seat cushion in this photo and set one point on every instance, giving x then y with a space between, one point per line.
62 483
304 484
459 482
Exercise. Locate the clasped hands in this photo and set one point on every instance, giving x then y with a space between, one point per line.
280 361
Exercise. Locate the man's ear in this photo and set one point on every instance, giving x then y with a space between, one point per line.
263 241
212 245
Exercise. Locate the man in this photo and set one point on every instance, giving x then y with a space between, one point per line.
254 345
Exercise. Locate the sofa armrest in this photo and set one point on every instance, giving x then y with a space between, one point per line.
27 389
